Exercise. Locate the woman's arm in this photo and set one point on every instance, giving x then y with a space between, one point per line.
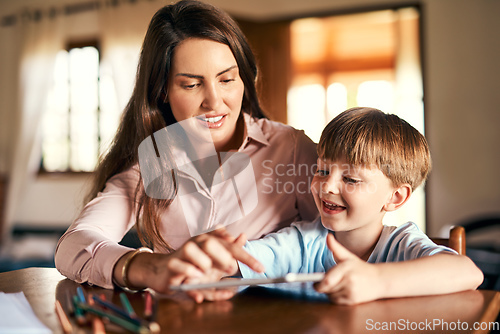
210 255
89 248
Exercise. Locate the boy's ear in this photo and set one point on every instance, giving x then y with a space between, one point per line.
399 197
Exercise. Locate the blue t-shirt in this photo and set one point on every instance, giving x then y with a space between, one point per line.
301 248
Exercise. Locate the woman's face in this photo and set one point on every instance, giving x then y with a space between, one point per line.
204 82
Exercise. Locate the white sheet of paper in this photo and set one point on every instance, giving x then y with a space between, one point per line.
17 316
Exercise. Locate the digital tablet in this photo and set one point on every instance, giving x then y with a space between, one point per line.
234 282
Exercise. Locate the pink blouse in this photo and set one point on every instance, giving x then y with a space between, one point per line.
283 161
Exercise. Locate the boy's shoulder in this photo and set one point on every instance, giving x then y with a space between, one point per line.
408 227
402 243
402 234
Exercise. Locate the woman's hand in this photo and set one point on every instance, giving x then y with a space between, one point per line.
352 280
211 294
204 257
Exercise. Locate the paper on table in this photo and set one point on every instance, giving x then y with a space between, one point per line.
17 316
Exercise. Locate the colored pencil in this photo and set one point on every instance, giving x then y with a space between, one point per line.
148 305
119 311
63 318
69 304
148 313
80 294
80 317
127 306
97 324
124 323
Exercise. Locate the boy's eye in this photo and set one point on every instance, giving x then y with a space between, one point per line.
350 180
321 172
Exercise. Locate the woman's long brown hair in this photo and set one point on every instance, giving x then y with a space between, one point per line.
146 112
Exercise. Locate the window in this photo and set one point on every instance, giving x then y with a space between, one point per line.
82 115
369 59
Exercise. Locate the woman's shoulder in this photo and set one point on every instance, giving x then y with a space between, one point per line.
283 142
275 131
126 179
268 125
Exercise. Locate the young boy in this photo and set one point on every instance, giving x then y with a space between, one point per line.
369 164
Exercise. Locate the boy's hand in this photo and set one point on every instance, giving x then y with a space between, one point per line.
352 280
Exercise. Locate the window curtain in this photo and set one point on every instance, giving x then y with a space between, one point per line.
27 73
39 42
9 63
123 29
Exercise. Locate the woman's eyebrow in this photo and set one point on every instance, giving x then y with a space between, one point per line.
226 70
196 76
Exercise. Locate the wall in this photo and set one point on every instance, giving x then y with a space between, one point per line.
53 200
461 52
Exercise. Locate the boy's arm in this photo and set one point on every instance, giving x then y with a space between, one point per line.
294 249
436 274
354 281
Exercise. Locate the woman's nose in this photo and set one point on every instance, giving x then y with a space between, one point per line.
212 98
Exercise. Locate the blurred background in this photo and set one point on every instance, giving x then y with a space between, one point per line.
67 69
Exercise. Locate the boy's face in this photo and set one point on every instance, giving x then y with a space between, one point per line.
350 197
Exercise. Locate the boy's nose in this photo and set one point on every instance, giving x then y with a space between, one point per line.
212 98
331 185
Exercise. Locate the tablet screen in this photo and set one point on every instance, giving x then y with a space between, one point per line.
234 282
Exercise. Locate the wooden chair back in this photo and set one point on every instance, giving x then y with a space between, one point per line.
456 241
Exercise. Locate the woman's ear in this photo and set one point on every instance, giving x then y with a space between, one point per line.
398 198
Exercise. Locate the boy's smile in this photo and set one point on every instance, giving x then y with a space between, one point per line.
332 208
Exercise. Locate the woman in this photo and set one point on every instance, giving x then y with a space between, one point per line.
195 65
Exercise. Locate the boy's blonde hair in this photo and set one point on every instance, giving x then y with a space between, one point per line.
368 137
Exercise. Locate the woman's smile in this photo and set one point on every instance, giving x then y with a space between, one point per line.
212 122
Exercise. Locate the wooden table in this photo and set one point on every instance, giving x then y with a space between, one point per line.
262 310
